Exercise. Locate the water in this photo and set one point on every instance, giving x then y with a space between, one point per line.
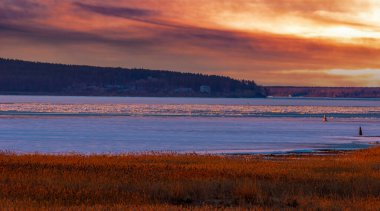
121 124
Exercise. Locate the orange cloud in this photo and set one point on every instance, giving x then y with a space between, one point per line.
272 42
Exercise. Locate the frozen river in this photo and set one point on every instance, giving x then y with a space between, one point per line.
122 124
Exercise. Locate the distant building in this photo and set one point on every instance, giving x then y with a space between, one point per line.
205 89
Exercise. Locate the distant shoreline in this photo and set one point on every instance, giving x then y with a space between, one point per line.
99 95
47 94
36 78
330 92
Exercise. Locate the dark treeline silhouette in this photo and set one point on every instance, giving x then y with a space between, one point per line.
343 92
22 77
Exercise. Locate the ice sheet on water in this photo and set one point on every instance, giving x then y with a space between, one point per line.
47 124
180 134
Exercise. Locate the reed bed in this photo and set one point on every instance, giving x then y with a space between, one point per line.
349 181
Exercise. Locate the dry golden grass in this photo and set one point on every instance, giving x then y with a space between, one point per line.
197 182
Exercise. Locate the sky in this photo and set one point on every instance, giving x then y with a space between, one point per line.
273 42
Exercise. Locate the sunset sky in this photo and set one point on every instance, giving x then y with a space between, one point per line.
274 42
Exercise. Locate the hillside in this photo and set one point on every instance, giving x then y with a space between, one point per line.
22 77
340 92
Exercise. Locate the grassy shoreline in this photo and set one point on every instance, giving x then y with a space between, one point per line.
349 180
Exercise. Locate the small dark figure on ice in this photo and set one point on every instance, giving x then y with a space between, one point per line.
360 131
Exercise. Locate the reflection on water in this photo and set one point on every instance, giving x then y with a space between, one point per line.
187 110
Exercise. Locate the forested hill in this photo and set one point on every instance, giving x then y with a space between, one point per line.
22 77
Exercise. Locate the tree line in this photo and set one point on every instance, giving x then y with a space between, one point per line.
24 77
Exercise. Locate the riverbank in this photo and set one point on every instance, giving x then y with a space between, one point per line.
170 181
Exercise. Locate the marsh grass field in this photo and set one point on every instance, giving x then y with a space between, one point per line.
349 180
